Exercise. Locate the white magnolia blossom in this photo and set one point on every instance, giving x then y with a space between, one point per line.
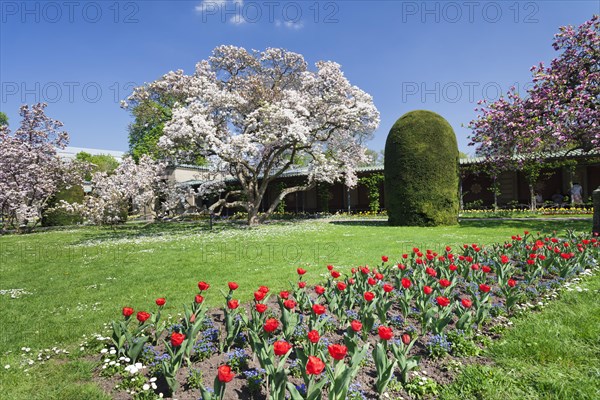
140 186
31 171
262 113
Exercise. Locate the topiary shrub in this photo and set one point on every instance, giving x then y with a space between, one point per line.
421 171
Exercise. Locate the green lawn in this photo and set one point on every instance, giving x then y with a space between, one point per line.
79 279
554 354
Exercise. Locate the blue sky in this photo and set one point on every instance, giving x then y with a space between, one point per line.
83 57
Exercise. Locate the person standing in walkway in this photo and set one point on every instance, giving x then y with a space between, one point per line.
576 191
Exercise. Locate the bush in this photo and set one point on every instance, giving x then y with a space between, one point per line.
75 194
421 171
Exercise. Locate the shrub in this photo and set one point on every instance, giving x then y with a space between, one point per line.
60 217
421 171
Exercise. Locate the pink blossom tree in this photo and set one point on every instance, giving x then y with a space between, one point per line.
254 115
560 113
30 170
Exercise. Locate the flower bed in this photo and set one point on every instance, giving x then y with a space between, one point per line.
401 328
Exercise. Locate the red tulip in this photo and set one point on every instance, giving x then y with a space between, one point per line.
271 325
233 304
512 283
330 267
384 258
387 288
335 274
484 288
369 296
263 289
289 304
258 296
177 339
284 295
356 325
198 299
203 286
261 308
427 290
406 339
301 284
127 311
445 283
406 283
385 333
341 286
224 374
466 303
442 301
337 351
142 316
232 285
318 309
319 289
313 336
301 271
281 347
160 302
314 366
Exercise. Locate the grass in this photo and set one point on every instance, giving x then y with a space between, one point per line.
554 354
79 279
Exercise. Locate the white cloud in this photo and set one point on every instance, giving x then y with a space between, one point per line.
210 5
289 24
223 8
237 19
294 25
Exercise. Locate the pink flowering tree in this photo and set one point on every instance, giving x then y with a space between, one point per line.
255 115
30 170
560 113
561 110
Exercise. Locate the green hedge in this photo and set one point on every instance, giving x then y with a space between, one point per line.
75 194
421 171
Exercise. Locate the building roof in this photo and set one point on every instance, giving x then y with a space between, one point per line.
303 171
577 153
69 153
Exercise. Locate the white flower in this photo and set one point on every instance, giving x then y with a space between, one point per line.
7 366
146 386
113 352
103 351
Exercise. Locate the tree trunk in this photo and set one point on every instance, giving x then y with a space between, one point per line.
532 204
253 219
461 205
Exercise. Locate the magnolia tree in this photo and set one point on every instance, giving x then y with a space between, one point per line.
561 112
30 170
140 186
255 115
